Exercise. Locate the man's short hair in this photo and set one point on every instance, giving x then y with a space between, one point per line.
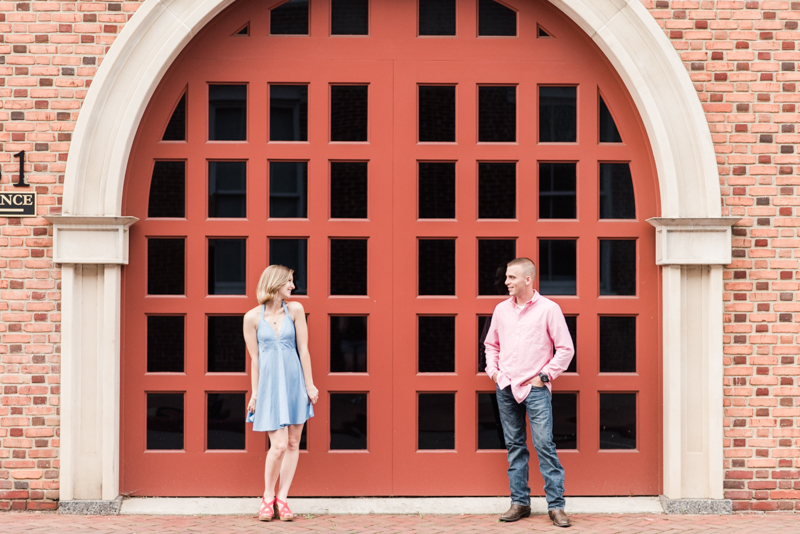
528 268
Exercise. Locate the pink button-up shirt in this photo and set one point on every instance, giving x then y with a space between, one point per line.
519 343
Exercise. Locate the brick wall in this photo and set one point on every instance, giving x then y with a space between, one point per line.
744 62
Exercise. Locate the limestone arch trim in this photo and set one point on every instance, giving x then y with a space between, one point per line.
688 183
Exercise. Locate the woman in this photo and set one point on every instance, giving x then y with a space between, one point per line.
276 335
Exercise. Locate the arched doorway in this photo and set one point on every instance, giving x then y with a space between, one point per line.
401 171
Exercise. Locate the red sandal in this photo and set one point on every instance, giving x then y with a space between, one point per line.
283 512
265 512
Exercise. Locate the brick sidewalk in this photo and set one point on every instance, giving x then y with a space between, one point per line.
29 523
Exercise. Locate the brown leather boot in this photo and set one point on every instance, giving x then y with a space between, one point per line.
559 518
515 513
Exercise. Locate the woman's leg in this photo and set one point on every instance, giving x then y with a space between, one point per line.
278 445
290 460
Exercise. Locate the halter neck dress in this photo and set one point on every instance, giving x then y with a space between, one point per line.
282 399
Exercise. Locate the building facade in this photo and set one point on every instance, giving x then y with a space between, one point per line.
643 154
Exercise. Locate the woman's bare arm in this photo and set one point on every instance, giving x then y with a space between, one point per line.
249 327
298 315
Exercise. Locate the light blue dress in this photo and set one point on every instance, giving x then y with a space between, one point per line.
282 399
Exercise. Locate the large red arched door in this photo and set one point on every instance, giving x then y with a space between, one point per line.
396 155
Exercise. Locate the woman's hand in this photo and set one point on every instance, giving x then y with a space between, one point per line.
251 406
313 393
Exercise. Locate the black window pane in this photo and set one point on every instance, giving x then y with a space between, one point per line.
497 114
290 18
176 129
348 421
168 190
497 190
437 344
348 267
557 191
557 267
226 419
437 190
165 421
226 266
288 189
617 344
348 343
227 189
437 17
227 112
558 114
484 322
349 112
349 17
617 267
166 266
437 113
493 258
608 128
288 113
165 343
226 349
565 420
437 421
617 420
495 19
349 189
437 267
572 324
292 253
490 431
616 192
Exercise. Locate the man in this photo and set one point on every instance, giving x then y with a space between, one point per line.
520 361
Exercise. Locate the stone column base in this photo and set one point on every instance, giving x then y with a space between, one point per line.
90 507
696 506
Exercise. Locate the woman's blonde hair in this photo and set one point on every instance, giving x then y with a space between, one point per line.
272 279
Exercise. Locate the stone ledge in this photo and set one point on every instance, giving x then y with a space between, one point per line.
696 506
90 507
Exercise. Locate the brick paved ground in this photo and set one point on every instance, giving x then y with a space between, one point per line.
40 523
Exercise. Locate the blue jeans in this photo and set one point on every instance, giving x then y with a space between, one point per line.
539 410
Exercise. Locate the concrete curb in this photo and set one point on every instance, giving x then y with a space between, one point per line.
696 506
90 507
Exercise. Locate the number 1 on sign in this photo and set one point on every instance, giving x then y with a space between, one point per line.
21 182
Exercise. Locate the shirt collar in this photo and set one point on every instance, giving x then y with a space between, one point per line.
513 301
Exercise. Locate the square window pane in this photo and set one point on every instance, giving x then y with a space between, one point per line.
349 189
168 190
227 112
166 266
164 421
490 431
225 421
557 191
437 17
437 421
618 344
495 19
558 266
437 267
617 267
227 189
618 420
165 343
290 18
493 258
484 322
348 421
349 17
437 113
436 344
497 114
349 115
348 266
291 253
616 192
558 112
288 189
348 343
288 113
497 190
227 352
437 190
227 266
565 420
